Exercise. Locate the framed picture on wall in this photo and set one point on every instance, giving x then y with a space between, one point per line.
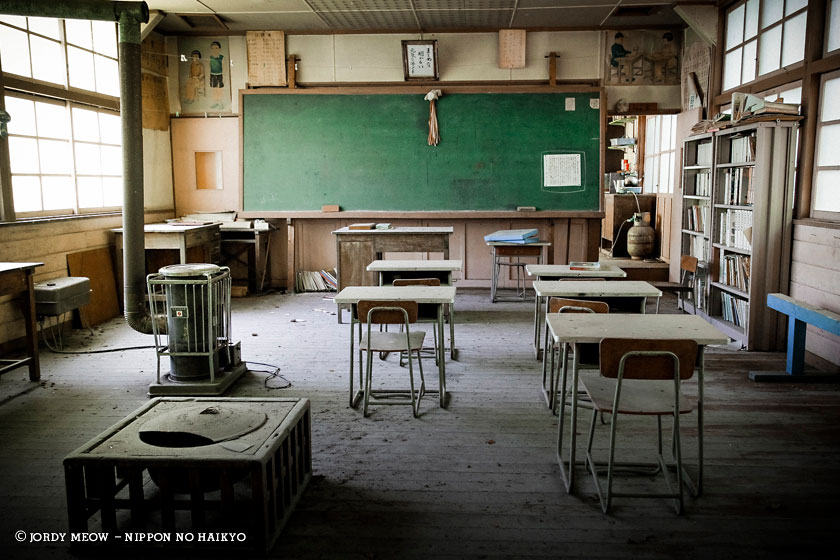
204 74
420 60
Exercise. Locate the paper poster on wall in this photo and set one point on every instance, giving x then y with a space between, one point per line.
642 57
204 74
562 171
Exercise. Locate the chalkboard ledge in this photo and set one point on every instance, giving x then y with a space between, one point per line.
380 216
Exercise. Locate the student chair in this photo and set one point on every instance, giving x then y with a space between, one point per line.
686 285
640 377
423 316
402 313
588 352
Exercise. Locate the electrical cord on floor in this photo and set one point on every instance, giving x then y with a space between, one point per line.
103 351
275 374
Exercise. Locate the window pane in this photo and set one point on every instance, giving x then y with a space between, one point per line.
49 57
652 123
793 48
833 41
827 141
14 48
17 21
748 67
664 173
735 27
830 110
768 53
26 191
732 70
111 160
107 76
23 116
52 120
23 155
771 12
45 26
652 174
111 128
90 192
665 142
751 17
105 38
59 193
112 191
794 5
87 159
55 156
791 95
656 133
85 125
827 196
77 32
673 145
81 69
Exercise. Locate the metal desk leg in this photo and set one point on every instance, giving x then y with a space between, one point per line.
494 276
441 355
537 326
567 471
453 353
644 304
355 397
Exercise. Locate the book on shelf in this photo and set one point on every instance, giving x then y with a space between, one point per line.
735 272
733 223
734 309
703 184
704 153
742 149
698 248
738 186
745 105
697 218
316 281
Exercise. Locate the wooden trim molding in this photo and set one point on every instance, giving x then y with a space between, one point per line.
385 215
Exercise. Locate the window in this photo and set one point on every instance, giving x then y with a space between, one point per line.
660 149
65 156
762 36
826 193
832 35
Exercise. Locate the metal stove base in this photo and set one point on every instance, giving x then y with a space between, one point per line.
218 386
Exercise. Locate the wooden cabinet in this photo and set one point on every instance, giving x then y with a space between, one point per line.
618 208
741 228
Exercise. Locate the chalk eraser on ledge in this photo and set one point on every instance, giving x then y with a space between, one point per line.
526 208
330 208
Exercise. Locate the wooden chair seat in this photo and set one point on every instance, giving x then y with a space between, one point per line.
671 286
392 341
637 397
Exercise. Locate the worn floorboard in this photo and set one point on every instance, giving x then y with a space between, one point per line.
475 480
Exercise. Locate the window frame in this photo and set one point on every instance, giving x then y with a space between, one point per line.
823 214
757 39
656 153
39 90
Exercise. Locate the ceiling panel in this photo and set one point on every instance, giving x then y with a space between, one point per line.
252 6
562 18
359 5
370 20
464 4
289 22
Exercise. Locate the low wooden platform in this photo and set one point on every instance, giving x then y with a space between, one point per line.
475 480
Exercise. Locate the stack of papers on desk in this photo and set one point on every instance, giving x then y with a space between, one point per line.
513 236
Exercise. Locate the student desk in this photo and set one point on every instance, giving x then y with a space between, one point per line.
250 247
583 328
16 279
440 269
504 249
589 290
439 296
561 271
356 249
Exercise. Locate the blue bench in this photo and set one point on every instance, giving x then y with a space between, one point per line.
800 314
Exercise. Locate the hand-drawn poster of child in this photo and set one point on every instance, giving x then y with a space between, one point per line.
642 58
204 74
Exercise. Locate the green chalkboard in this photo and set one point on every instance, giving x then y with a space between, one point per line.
370 152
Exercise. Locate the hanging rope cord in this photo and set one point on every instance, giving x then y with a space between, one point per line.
434 134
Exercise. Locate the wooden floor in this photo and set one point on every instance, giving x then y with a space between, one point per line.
475 480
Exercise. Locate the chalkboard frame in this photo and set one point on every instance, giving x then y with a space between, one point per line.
422 90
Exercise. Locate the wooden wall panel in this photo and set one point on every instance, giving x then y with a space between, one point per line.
815 279
664 204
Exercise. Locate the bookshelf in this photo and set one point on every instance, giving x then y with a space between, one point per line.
747 225
696 218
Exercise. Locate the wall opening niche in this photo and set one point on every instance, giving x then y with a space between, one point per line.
208 171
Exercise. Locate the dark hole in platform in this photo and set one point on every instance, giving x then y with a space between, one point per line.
174 439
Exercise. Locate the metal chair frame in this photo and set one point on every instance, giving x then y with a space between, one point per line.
388 313
687 284
677 373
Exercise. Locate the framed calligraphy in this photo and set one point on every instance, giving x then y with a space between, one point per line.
420 60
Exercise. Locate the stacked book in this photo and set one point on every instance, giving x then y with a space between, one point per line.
696 218
513 236
733 223
738 186
734 309
735 272
703 184
316 281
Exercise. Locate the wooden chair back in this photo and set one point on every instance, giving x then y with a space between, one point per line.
387 312
417 282
564 305
688 263
646 366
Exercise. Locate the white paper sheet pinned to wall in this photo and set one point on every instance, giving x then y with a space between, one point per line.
561 170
